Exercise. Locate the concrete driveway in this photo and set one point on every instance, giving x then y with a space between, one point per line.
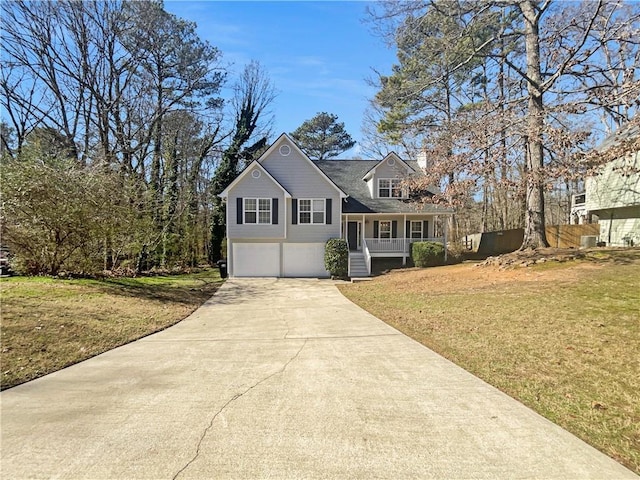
280 379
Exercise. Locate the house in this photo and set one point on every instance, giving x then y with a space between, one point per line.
283 207
613 195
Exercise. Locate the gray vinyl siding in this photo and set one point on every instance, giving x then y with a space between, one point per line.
303 180
314 233
385 170
298 176
401 225
250 187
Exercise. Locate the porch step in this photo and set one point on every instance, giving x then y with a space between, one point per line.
358 266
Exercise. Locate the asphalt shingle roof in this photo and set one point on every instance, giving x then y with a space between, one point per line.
630 131
347 174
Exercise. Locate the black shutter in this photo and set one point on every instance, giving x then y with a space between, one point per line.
407 229
425 229
274 211
376 228
294 211
239 212
394 229
328 211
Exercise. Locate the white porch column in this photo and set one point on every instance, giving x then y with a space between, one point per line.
406 241
444 229
345 227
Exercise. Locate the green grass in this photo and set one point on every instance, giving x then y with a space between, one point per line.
48 324
563 339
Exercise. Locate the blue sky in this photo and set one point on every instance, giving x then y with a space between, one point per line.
318 54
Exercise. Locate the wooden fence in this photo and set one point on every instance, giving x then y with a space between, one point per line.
569 236
558 236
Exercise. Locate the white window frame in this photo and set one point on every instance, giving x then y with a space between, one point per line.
412 231
312 211
394 186
380 229
258 210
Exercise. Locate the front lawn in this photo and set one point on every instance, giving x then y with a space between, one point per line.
563 338
48 324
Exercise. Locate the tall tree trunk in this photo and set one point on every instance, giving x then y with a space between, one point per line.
502 193
534 234
170 202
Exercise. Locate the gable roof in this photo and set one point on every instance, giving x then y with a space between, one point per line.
225 192
348 174
391 156
286 137
627 133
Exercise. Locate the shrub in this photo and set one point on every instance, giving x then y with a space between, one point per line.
336 257
427 254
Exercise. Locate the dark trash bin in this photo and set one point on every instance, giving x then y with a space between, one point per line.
222 265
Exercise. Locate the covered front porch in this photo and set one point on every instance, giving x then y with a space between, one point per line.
386 235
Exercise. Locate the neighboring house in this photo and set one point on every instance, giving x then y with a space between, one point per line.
613 195
283 207
578 209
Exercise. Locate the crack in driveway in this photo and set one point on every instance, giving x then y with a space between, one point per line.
229 402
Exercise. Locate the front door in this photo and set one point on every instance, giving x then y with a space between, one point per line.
353 235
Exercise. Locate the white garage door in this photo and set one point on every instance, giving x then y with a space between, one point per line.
256 260
304 260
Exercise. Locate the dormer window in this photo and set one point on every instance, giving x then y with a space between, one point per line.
389 188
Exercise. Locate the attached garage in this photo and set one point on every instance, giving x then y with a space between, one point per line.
255 260
304 260
264 260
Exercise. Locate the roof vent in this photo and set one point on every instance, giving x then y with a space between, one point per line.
285 150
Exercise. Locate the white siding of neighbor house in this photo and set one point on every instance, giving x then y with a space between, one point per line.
620 227
249 187
302 179
612 188
614 196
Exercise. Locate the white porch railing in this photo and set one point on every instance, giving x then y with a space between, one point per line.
367 255
395 245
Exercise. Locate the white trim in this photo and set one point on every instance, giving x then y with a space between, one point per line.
225 192
380 222
323 201
419 222
257 211
398 186
396 158
284 137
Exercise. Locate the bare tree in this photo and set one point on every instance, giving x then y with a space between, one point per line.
254 94
556 51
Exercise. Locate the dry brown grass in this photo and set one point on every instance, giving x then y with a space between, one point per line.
48 324
563 338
